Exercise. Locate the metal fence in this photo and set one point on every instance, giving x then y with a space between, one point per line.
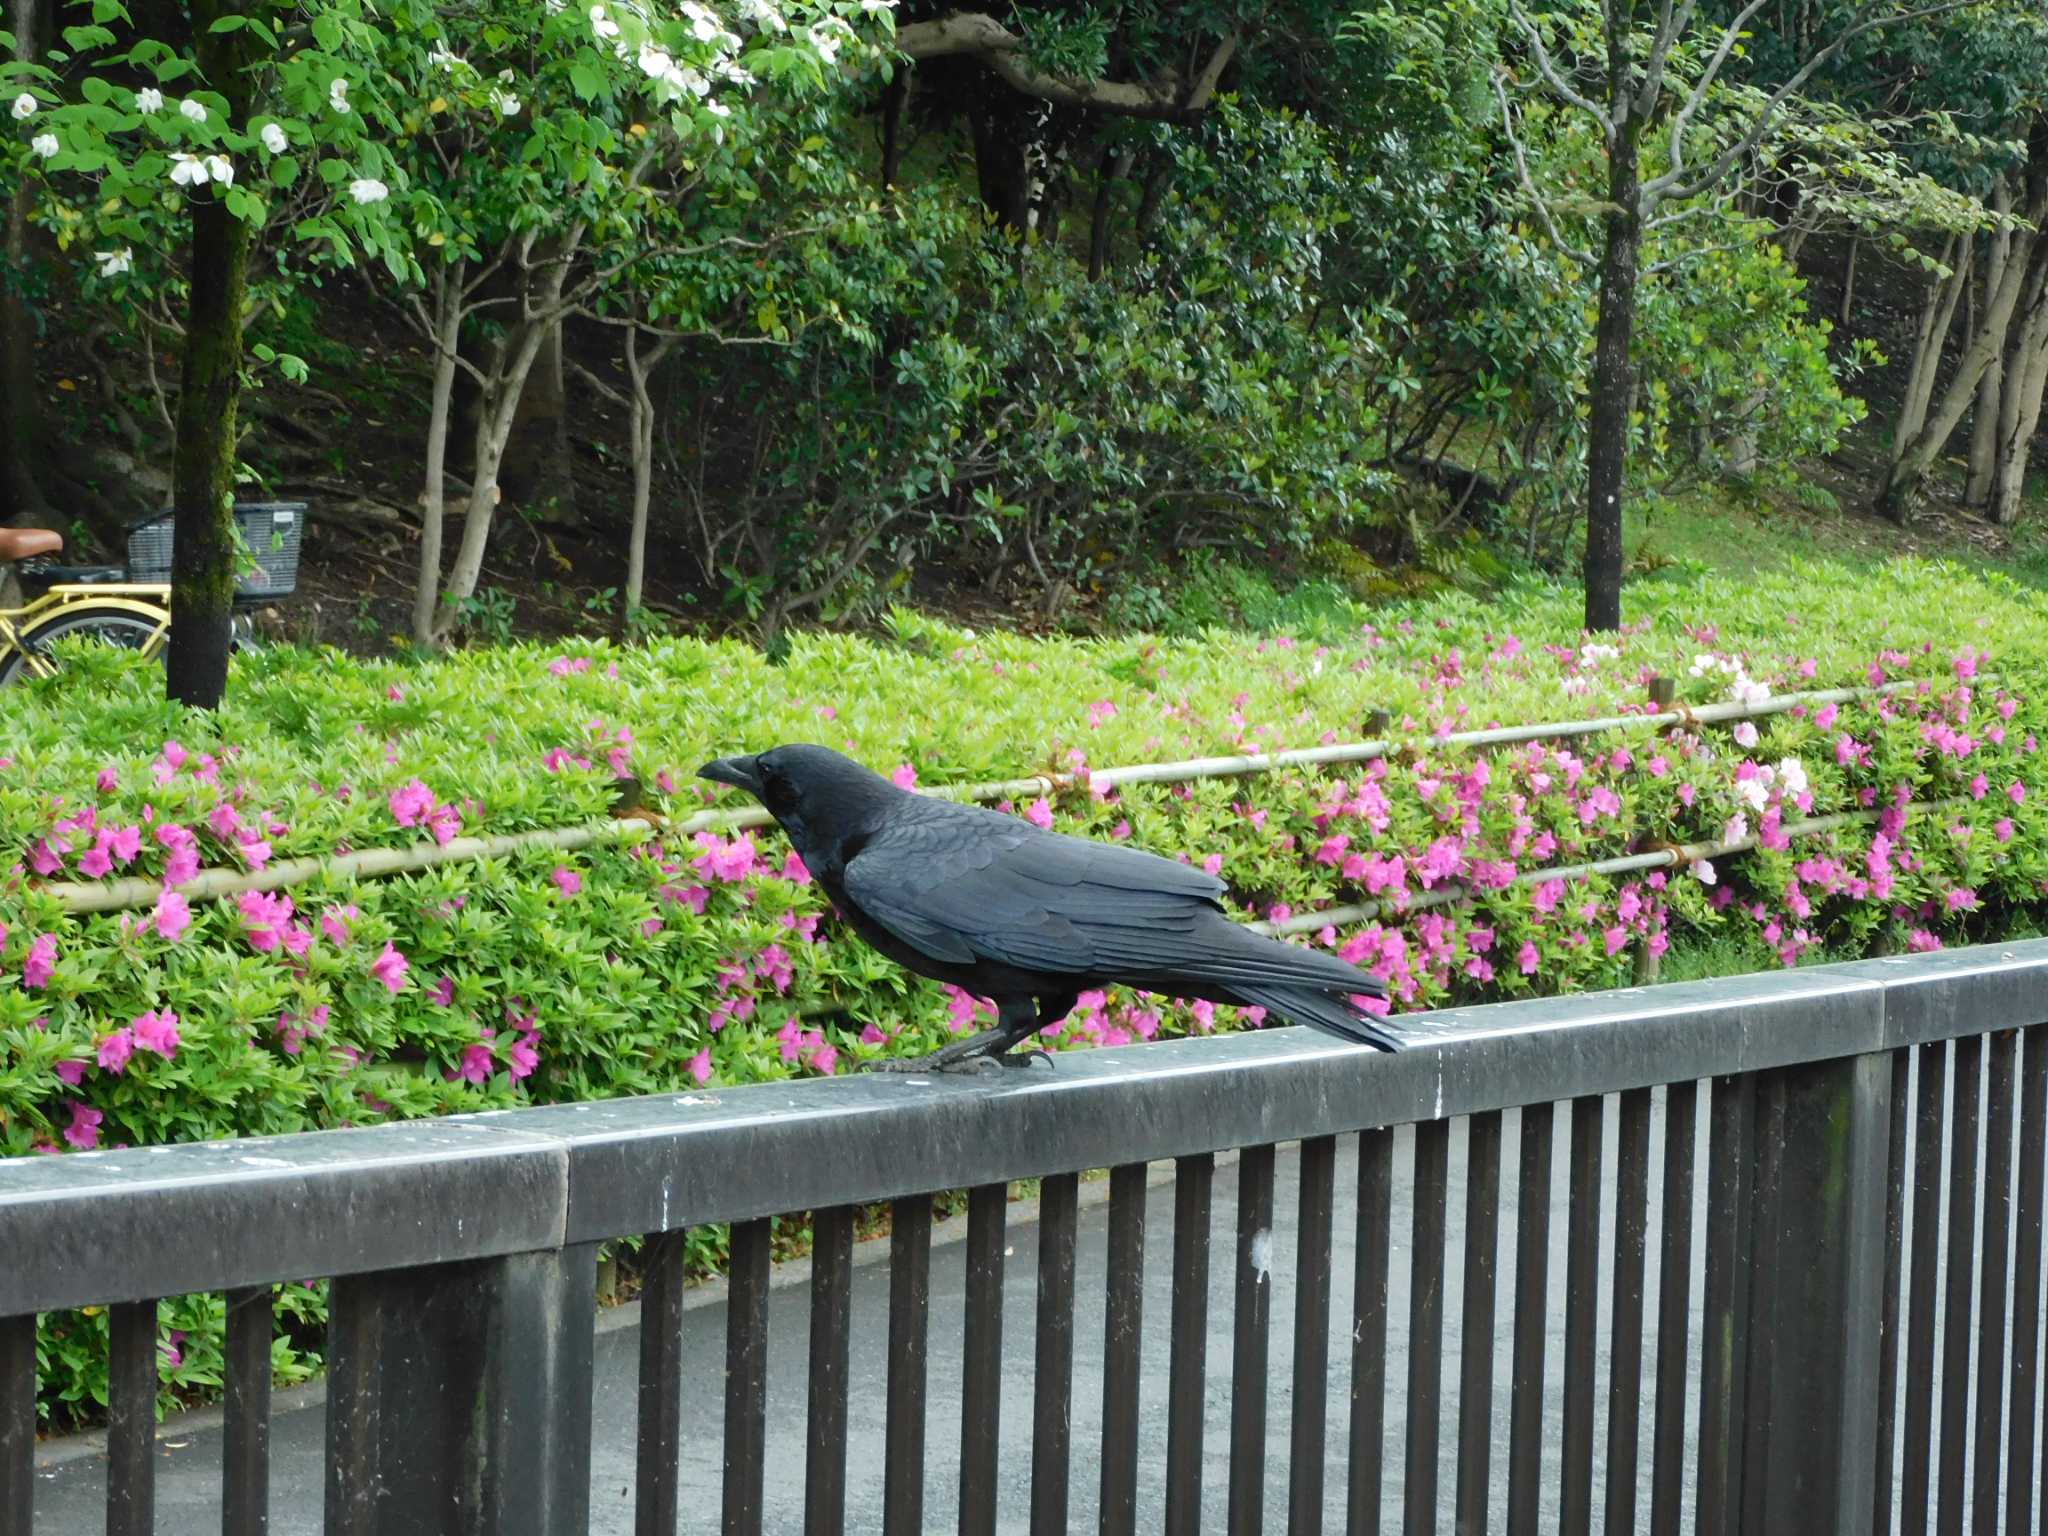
1799 1216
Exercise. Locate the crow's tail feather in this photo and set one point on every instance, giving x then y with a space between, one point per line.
1332 1014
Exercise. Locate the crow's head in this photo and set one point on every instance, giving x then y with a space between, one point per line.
813 791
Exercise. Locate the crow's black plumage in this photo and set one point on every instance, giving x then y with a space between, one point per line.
1031 918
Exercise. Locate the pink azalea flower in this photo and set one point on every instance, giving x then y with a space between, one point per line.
2016 793
410 803
84 1130
905 777
171 916
41 961
567 881
443 992
1040 814
264 916
1099 711
2003 829
794 871
115 1049
107 781
334 923
390 968
1528 957
700 1065
72 1073
157 1032
476 1065
522 1057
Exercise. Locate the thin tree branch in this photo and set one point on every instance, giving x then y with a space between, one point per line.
1672 185
1554 79
976 35
1507 118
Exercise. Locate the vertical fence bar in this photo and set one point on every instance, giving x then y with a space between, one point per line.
17 1423
1889 1313
981 1383
910 1283
245 1452
1819 1201
1532 1321
1123 1332
2026 1284
1725 1329
1193 1180
1251 1325
1674 1308
1306 1443
1052 1386
1766 1280
1369 1332
660 1437
131 1419
1475 1352
1965 1105
831 1341
746 1379
1426 1326
1625 1356
1916 1502
1991 1329
1581 1313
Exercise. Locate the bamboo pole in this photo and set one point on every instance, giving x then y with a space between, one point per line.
212 884
1662 858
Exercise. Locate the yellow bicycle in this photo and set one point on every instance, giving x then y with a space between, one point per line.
130 605
96 603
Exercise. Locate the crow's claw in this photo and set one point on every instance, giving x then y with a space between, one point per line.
970 1065
1025 1057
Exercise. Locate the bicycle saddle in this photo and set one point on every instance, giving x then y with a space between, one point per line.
22 543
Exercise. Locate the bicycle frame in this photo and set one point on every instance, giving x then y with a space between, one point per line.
147 600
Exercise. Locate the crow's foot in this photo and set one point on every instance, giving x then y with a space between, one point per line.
1025 1057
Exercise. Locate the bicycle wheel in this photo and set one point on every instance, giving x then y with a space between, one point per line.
102 622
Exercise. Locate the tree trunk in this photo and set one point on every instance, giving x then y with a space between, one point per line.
639 369
1984 414
21 495
1848 303
514 364
1613 386
1913 457
2026 369
1937 314
539 469
447 322
895 97
203 468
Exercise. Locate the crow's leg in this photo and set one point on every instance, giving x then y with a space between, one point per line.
1050 1011
976 1053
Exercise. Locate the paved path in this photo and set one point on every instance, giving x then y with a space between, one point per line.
70 1482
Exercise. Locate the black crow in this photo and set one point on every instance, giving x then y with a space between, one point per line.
1026 917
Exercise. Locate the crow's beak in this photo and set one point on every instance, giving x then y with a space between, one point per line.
736 771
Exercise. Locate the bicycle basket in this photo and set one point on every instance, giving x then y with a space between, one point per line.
271 529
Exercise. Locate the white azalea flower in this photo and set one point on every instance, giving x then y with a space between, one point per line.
602 24
24 107
717 108
114 263
1703 871
876 7
763 14
1753 793
274 139
189 170
1745 733
192 111
826 44
149 99
1736 830
368 189
221 169
655 63
441 58
1792 774
684 78
337 94
44 144
506 103
703 25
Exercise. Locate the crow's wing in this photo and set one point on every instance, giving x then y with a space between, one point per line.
965 886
